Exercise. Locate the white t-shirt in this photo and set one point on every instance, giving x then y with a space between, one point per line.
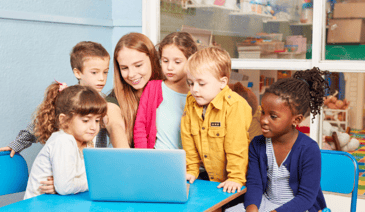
61 158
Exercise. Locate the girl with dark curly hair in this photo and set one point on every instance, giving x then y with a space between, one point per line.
284 170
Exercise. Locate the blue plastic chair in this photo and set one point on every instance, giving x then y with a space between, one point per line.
340 174
13 173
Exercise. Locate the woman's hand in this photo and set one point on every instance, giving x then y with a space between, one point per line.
47 187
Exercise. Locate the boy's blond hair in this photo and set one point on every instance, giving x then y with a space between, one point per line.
213 59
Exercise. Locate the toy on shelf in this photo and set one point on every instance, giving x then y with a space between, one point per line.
336 111
333 103
336 140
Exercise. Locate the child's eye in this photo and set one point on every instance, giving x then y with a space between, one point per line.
273 117
201 84
106 72
123 68
165 61
94 72
177 62
189 83
97 120
85 120
139 65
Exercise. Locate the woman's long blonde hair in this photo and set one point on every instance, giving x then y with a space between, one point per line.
126 95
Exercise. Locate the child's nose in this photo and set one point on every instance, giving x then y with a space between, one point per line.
169 66
195 87
101 76
94 125
263 119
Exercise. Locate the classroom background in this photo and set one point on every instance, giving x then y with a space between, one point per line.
266 39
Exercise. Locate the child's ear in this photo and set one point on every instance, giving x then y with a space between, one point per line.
77 73
298 119
224 82
62 119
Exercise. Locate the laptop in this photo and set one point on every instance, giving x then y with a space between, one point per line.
136 175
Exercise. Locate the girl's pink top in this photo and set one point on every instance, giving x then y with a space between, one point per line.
145 130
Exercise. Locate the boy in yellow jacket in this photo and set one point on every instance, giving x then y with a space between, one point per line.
215 121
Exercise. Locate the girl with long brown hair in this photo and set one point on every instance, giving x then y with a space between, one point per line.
162 102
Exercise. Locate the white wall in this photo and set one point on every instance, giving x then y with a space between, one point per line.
338 203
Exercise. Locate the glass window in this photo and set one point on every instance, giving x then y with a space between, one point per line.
248 29
345 25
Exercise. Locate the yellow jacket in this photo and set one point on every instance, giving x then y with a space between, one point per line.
220 141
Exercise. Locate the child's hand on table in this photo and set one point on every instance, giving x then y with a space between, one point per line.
191 178
47 187
12 153
230 186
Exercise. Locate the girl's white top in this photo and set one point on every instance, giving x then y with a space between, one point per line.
61 158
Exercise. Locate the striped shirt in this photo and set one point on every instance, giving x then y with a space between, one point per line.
278 190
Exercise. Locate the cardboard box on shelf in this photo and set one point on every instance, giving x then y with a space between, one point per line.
299 41
246 47
202 37
346 31
349 10
249 54
269 55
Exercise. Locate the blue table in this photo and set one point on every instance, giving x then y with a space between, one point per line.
203 196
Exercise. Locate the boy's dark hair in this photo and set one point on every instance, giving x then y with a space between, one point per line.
83 50
304 92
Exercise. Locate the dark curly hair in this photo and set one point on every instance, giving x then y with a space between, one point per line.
304 92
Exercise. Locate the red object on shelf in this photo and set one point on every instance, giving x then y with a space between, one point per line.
303 129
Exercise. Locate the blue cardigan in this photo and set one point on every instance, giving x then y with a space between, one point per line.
304 165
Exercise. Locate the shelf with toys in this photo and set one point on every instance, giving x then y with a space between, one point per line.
336 112
226 5
254 8
250 13
272 46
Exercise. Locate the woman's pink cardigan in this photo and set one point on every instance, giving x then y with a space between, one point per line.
145 129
